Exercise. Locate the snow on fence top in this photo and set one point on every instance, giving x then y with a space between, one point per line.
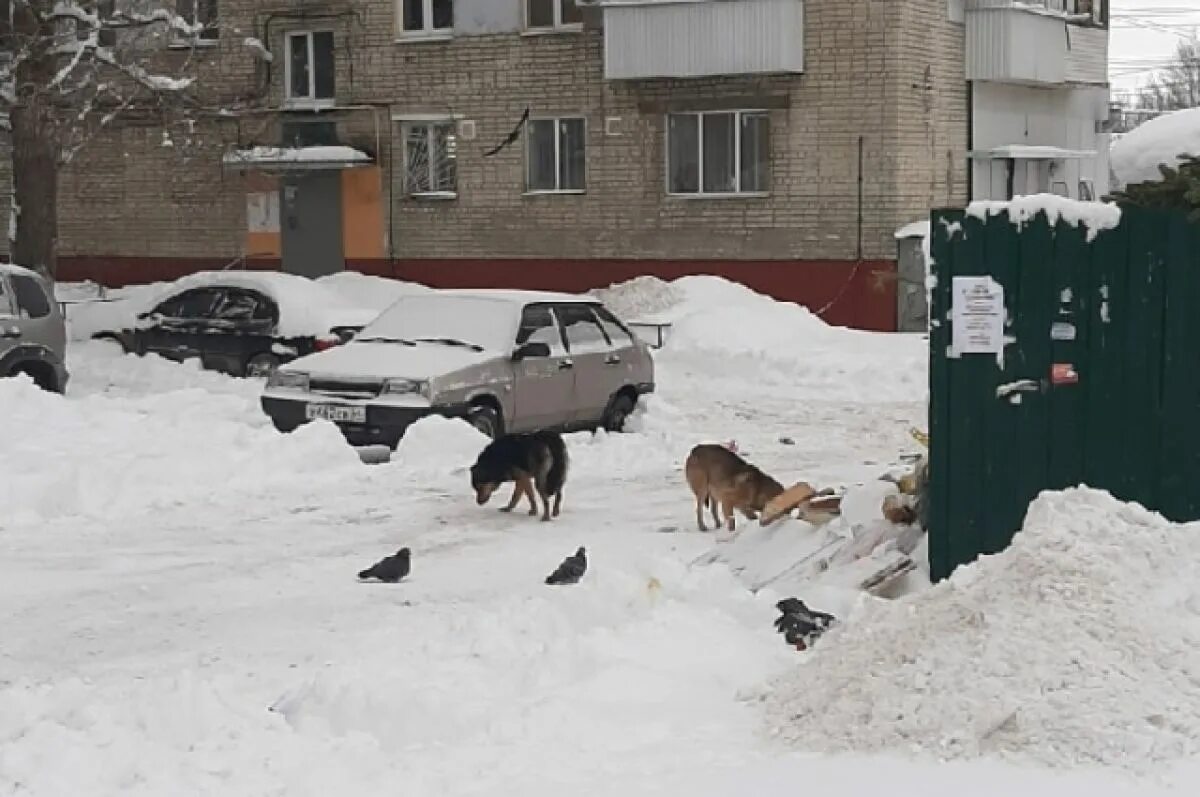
1096 216
1137 155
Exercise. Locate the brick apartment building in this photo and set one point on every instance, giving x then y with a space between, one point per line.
776 142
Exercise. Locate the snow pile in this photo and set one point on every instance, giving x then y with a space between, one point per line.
1137 155
103 456
441 444
1075 646
1096 216
641 298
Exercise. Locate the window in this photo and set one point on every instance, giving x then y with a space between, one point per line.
31 298
617 332
244 306
310 76
426 17
200 12
193 304
725 152
430 158
552 15
583 331
556 155
7 309
538 326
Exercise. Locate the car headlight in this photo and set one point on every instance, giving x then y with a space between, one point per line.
290 379
405 387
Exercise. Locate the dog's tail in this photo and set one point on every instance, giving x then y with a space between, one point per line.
556 477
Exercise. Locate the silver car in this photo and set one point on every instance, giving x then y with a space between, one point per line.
33 337
507 361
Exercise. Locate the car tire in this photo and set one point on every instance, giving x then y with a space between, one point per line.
486 420
618 412
261 365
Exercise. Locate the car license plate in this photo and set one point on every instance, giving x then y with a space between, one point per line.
338 413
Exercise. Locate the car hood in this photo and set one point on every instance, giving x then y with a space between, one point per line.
385 360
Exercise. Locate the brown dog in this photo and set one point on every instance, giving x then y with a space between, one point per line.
719 476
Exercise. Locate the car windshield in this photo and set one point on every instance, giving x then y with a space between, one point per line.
478 323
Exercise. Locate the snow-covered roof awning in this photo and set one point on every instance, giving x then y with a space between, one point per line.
297 158
1028 152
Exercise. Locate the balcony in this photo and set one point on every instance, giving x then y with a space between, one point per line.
1046 43
700 38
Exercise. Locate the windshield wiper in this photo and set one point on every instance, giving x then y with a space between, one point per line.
452 342
385 339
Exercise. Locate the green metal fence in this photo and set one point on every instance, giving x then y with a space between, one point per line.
1098 382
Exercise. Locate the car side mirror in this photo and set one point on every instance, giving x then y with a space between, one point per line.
529 350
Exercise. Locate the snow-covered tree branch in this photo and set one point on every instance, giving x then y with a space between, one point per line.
70 67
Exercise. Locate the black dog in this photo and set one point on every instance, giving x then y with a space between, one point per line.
799 624
571 569
390 569
537 460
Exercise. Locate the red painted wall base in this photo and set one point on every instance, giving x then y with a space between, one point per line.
845 293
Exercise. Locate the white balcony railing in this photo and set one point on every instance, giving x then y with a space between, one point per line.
702 38
1035 42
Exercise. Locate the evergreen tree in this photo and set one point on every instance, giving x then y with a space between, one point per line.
1179 189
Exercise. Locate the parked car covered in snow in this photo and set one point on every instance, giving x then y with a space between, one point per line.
506 361
33 338
243 323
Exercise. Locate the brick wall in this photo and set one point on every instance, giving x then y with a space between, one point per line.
888 71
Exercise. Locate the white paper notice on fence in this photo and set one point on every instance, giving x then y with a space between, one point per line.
977 309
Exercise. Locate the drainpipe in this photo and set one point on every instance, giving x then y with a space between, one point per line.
860 200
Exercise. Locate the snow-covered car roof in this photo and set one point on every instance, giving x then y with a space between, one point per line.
306 308
521 297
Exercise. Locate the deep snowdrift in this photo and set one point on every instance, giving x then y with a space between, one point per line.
1075 646
1137 155
765 340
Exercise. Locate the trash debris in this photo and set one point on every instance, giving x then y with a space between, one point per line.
800 625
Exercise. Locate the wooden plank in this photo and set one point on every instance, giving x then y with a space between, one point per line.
969 379
1105 409
1031 326
1143 355
1068 345
1180 369
1003 509
940 399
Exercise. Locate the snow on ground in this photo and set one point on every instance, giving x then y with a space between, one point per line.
181 614
1077 645
1137 155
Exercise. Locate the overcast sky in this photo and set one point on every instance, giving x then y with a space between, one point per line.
1144 34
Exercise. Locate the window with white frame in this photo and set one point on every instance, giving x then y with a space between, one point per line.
557 154
202 14
552 15
430 158
310 69
718 153
426 17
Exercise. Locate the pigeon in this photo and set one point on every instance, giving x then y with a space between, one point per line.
390 569
571 569
799 624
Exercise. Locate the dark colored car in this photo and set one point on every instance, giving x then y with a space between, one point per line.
242 323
